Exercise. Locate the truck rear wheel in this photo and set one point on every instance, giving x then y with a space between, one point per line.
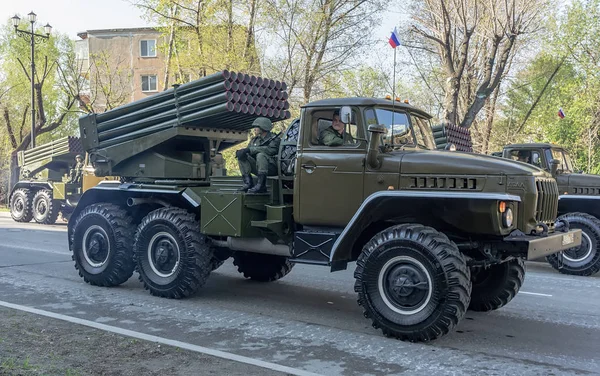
262 267
45 208
585 259
172 257
495 286
20 205
102 242
412 282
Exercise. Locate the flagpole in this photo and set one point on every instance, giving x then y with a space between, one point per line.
393 94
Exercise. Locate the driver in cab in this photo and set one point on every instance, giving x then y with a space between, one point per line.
334 134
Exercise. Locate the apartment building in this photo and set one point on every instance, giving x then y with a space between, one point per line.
120 65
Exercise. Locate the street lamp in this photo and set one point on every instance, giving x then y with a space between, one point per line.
32 36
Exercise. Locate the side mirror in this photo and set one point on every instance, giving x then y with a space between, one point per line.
346 114
554 166
373 153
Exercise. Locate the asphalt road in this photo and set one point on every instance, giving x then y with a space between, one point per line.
310 319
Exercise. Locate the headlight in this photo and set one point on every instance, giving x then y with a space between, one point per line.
507 217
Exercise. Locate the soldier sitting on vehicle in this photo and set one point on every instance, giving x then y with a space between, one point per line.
260 157
77 170
334 135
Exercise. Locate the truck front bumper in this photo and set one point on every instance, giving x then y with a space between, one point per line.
543 245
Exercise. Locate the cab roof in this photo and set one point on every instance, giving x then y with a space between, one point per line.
360 101
541 145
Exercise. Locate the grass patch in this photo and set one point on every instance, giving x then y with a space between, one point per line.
4 209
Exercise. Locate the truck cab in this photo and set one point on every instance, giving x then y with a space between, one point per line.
579 202
432 233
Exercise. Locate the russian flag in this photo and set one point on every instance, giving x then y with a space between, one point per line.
394 39
561 114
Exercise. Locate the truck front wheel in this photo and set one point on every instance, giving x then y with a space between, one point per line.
495 286
45 208
585 259
412 282
101 242
20 205
262 267
172 257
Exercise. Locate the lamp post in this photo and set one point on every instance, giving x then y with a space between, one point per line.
32 36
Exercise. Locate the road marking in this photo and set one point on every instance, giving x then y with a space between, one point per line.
534 293
20 248
165 341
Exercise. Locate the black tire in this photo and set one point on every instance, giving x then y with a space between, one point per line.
172 257
45 208
102 245
20 205
262 267
583 260
436 285
495 286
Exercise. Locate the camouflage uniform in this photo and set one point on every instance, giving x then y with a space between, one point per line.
330 137
75 172
259 158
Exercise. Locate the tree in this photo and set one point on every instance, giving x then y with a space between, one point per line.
316 38
474 41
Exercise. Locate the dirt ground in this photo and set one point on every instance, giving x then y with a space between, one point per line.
36 345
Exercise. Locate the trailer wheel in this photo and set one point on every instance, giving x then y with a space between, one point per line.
262 267
497 285
172 257
585 259
45 208
101 243
412 282
20 205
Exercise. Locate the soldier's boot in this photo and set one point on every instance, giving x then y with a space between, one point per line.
261 184
248 183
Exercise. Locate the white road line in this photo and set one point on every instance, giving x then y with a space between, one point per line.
165 341
534 293
21 248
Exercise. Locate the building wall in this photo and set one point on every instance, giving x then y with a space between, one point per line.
119 60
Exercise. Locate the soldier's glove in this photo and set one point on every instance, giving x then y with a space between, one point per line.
242 154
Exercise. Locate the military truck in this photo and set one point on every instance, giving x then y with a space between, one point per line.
579 203
432 233
45 189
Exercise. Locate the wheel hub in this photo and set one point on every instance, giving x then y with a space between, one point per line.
163 254
405 285
582 252
19 205
41 207
96 246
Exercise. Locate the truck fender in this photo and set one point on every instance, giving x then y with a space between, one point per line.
31 185
385 205
119 193
576 203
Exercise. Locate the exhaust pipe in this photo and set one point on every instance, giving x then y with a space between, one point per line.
373 153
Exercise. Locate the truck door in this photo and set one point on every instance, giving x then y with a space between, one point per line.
329 179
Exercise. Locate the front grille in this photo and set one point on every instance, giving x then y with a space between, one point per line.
547 200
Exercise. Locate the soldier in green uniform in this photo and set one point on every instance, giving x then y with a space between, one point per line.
76 171
260 157
334 134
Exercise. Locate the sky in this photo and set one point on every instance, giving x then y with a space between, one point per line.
73 16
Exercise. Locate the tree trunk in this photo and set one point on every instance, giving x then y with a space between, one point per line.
489 122
14 171
170 51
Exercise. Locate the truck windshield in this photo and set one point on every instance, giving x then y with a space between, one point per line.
399 129
563 157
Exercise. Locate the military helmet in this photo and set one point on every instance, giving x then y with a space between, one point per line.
79 156
263 123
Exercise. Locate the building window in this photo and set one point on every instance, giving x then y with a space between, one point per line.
148 48
149 83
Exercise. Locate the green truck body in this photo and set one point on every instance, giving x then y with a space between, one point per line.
43 190
432 232
579 203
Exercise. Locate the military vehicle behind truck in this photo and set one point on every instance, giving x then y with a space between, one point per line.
45 187
579 203
433 233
